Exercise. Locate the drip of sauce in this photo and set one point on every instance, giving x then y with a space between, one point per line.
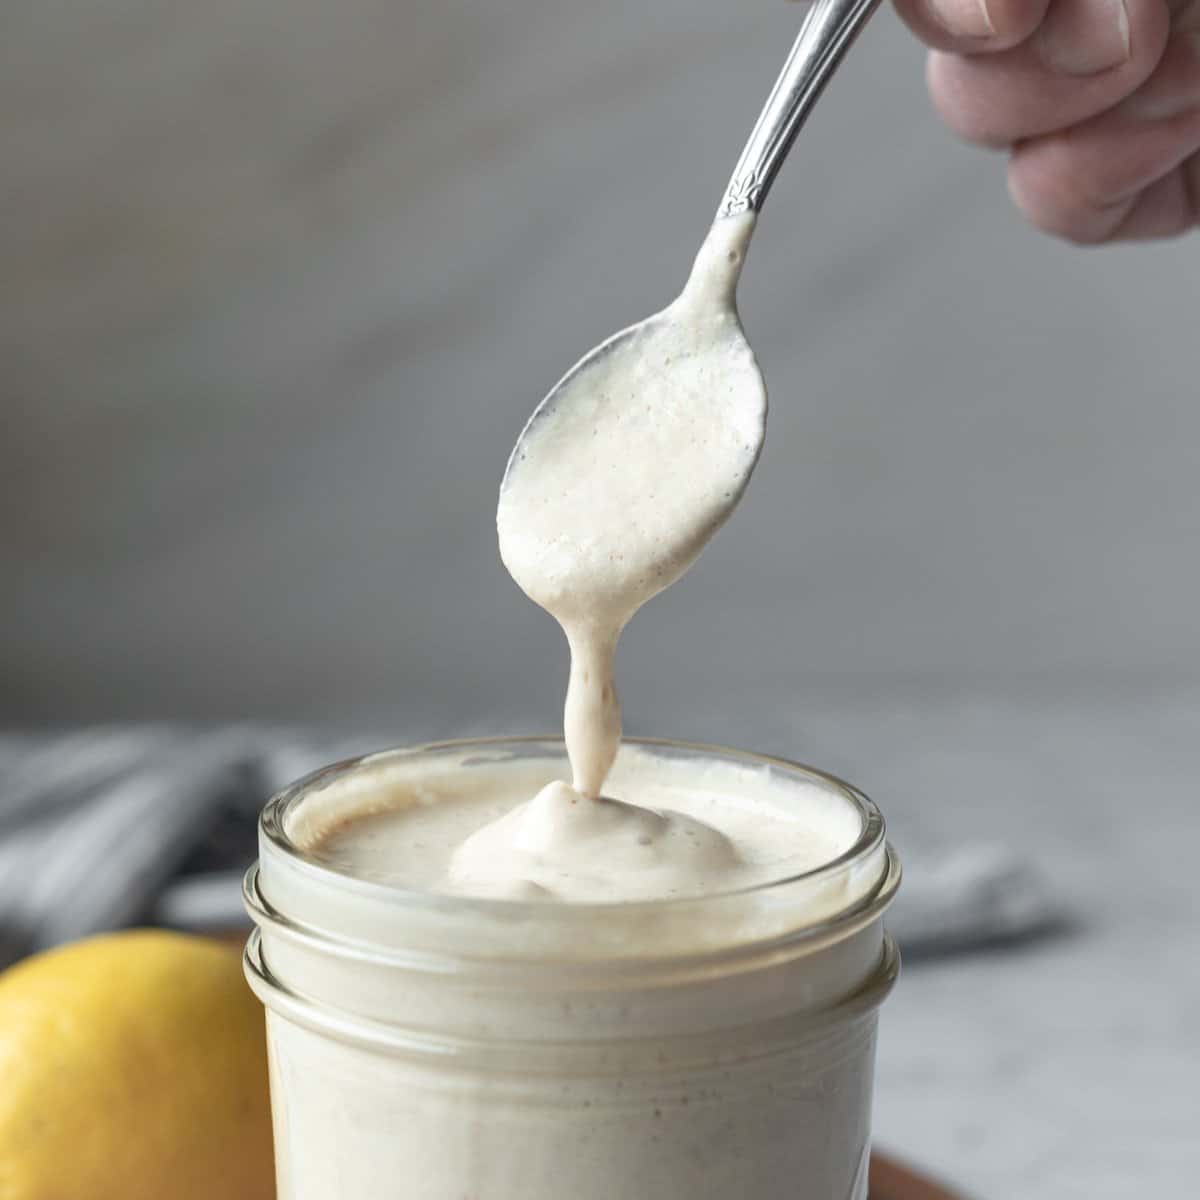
616 487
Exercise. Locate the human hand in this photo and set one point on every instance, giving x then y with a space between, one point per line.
1097 101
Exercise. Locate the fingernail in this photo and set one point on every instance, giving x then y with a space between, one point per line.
963 18
1084 37
1174 88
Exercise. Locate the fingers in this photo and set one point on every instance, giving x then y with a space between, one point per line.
1166 208
1085 57
1101 99
972 26
1174 88
1132 172
1053 202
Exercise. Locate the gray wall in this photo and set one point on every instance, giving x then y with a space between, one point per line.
281 282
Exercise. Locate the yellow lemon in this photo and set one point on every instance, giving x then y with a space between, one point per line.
133 1067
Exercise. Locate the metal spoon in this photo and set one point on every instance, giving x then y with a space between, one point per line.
828 30
643 449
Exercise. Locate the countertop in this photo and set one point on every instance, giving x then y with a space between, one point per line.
1065 1068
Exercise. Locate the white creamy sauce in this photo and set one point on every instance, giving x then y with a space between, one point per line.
614 490
616 486
695 829
619 485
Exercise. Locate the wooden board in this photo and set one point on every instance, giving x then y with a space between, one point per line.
892 1181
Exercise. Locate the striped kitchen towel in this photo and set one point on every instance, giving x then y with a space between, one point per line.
154 824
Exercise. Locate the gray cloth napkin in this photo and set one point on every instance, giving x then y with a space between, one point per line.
109 827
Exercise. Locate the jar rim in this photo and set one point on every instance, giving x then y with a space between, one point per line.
869 845
272 823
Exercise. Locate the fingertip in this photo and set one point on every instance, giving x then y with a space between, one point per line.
1044 196
1113 178
972 26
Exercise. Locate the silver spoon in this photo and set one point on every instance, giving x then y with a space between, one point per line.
828 30
643 449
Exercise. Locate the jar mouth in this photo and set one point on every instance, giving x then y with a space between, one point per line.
610 928
274 817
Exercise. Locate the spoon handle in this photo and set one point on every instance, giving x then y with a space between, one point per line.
829 28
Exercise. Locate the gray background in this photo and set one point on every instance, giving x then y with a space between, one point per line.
281 282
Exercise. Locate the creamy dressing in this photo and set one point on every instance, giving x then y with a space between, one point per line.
694 829
616 486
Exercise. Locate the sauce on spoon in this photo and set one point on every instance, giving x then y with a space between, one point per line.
620 479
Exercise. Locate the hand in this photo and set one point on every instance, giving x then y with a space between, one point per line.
1098 102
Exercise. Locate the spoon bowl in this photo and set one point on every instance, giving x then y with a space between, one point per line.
673 414
643 449
645 395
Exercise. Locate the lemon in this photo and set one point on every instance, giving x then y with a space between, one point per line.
133 1066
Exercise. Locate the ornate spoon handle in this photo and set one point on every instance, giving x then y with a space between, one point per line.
829 28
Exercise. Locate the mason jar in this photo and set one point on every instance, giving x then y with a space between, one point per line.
442 1047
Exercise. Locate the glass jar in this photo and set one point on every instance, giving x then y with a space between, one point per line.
435 1047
